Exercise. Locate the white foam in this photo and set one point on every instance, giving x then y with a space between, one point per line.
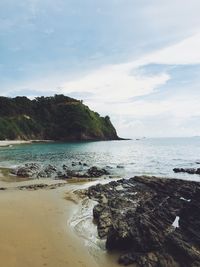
175 224
182 198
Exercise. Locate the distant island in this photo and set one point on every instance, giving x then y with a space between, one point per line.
58 118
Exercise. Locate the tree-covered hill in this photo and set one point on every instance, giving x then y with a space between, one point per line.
52 118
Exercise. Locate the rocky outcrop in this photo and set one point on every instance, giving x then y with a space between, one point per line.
34 170
28 170
187 170
34 187
97 172
153 222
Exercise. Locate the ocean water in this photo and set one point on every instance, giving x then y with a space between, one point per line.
155 156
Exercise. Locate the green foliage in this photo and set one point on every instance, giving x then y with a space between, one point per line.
56 118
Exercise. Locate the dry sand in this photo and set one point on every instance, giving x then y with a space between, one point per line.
13 142
4 143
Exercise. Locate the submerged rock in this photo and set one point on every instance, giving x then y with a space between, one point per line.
120 166
28 170
50 170
187 170
34 170
137 216
97 172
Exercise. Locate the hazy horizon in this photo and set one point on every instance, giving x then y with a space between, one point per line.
136 61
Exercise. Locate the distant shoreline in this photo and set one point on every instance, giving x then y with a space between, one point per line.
7 143
13 142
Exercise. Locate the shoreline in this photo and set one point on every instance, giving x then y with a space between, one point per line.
7 143
47 222
51 225
85 229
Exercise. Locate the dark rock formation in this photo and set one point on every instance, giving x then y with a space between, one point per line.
92 172
96 172
34 187
48 171
34 170
28 170
154 222
187 170
120 166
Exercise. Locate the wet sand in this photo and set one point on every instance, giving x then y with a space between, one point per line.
36 228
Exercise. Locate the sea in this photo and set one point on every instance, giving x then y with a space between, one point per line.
125 159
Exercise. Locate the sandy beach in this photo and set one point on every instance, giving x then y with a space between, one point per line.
36 231
4 143
13 142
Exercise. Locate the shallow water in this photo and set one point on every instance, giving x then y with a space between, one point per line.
84 227
124 158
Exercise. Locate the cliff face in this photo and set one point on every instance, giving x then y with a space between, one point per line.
55 118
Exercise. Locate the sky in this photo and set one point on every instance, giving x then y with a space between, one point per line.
137 61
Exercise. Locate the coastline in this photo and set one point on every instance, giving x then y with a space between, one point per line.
7 143
45 221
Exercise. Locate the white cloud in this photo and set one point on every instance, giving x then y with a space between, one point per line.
175 116
113 86
115 83
185 52
120 82
166 116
